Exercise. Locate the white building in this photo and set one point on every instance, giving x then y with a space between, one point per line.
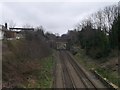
1 32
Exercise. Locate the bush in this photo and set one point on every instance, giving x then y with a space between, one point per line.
95 42
20 58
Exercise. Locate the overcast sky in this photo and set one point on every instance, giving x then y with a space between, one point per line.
56 17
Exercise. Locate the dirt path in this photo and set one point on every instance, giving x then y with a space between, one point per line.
69 74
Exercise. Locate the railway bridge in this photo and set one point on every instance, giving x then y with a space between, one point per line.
61 44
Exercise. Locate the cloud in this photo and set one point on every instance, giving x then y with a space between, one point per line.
59 0
56 17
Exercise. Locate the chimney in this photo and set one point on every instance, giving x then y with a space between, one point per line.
6 25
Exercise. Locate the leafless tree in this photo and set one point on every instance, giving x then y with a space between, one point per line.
12 24
110 13
27 26
57 34
99 18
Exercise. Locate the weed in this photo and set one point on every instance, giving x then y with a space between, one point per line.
90 63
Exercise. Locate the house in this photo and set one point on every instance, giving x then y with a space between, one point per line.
19 32
2 29
1 32
7 34
12 33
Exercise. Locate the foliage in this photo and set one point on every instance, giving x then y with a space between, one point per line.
93 40
115 33
97 64
107 74
100 33
22 59
43 75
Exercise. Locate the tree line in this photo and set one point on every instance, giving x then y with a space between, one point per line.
99 33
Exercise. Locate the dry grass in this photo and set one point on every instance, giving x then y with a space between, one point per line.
21 62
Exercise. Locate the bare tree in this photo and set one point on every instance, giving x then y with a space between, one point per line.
110 13
12 24
119 8
99 19
27 26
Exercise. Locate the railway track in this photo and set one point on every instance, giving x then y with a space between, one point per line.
67 78
72 76
84 78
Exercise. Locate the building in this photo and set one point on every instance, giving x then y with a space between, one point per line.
2 29
7 34
12 33
1 33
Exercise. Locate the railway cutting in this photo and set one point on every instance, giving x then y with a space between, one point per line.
70 74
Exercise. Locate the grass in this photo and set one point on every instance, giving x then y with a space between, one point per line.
44 75
21 70
113 77
90 63
85 60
